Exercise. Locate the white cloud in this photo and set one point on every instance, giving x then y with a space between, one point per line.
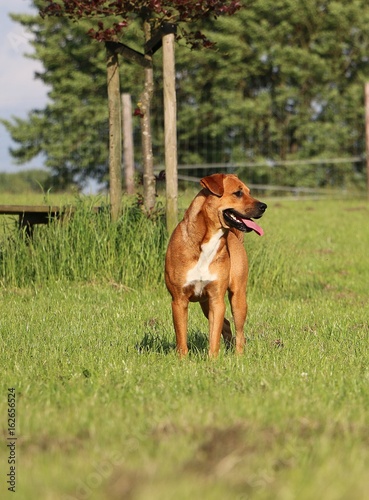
20 92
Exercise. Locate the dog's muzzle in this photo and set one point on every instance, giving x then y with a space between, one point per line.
244 222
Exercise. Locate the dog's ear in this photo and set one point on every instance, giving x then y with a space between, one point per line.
214 183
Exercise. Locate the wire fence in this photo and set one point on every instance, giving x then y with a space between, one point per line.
312 177
204 150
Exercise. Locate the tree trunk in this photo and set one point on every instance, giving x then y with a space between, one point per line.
170 132
128 155
115 134
147 154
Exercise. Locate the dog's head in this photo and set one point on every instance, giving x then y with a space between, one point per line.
231 198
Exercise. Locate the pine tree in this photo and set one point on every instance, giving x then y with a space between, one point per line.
286 83
72 130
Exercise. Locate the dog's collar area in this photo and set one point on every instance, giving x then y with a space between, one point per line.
236 220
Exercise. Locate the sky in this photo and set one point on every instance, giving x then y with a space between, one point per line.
20 92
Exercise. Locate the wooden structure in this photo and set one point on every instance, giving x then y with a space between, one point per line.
128 152
163 37
366 92
30 215
170 128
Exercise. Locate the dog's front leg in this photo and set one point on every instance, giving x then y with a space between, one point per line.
216 320
239 311
180 320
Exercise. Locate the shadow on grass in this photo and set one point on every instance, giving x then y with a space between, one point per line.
154 342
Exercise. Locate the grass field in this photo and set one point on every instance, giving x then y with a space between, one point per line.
104 408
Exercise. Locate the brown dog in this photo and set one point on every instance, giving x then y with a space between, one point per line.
206 257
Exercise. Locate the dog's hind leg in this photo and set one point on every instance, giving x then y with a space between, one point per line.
226 330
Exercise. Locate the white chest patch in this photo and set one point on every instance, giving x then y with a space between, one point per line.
200 276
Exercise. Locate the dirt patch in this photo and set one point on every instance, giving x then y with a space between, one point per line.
52 444
325 251
122 484
357 209
227 447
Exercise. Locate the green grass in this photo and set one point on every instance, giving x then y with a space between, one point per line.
86 246
105 410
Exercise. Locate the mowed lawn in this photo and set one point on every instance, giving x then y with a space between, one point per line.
106 410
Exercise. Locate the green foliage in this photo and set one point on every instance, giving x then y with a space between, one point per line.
284 83
287 82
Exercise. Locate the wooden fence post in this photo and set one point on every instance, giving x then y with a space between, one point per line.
115 133
128 154
170 131
149 181
367 135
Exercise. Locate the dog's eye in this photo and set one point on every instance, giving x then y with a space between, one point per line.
238 194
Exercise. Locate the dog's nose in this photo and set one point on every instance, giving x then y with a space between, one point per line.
262 206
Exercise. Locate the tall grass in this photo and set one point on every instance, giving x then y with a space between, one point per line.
86 246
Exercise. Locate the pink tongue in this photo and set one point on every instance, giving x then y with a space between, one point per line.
252 225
